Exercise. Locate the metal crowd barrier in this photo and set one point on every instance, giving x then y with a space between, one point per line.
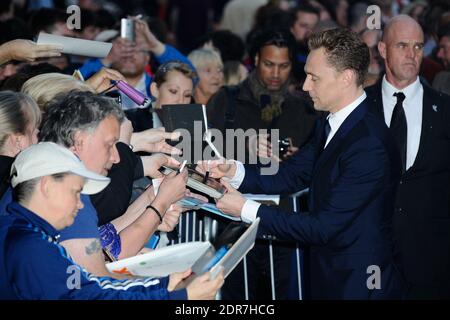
192 228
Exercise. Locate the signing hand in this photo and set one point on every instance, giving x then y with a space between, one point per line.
171 190
217 168
232 201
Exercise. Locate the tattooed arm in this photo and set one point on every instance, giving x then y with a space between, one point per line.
88 254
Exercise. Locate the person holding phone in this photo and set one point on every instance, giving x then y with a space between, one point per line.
131 58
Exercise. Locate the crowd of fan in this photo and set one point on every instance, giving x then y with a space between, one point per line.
199 51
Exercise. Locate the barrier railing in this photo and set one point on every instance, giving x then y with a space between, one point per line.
194 228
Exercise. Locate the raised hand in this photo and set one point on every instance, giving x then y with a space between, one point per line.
217 168
154 140
27 50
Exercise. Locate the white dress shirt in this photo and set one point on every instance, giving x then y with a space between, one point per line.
412 105
250 208
336 119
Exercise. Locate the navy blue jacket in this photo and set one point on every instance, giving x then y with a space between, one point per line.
34 266
352 188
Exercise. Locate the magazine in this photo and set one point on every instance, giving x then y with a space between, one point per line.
228 250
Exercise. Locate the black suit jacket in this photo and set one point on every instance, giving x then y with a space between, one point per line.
421 219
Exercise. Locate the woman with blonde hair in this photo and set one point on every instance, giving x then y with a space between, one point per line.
44 87
173 83
19 121
209 66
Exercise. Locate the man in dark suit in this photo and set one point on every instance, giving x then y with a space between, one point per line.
419 118
352 169
263 102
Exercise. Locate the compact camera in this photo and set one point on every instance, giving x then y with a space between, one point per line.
283 146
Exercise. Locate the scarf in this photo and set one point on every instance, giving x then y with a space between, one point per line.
269 101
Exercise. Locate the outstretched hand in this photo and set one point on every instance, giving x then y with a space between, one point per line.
27 50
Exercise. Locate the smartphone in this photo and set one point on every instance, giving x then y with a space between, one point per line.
127 29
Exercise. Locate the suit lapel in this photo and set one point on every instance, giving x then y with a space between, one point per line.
375 97
348 124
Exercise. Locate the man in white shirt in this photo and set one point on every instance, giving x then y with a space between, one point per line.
419 119
351 167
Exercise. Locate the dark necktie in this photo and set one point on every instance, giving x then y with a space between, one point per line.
326 132
326 129
399 127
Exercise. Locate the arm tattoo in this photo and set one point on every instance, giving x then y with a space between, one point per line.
93 248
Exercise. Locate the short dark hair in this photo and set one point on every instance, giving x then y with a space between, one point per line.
281 38
229 44
344 49
304 7
14 28
26 72
44 19
76 111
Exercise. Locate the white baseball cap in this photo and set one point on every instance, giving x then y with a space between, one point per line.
47 158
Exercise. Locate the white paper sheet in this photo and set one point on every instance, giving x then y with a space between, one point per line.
96 49
161 262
